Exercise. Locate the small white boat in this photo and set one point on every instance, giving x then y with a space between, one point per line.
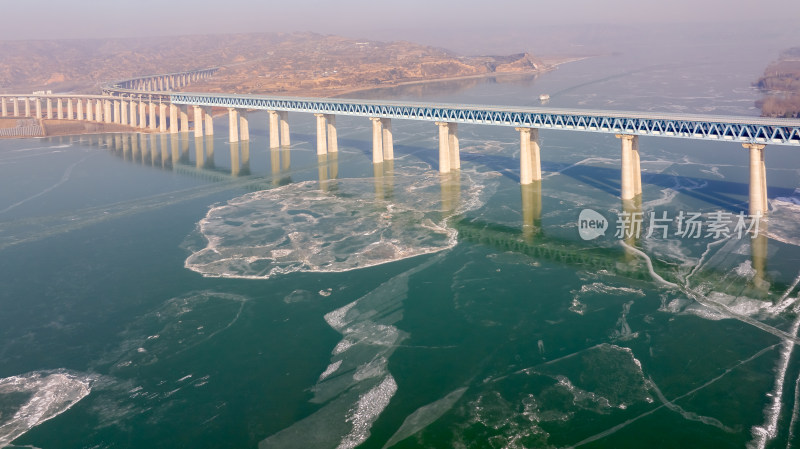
544 97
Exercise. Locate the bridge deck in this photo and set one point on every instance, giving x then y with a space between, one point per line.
743 129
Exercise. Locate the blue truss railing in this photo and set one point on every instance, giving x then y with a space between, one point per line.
704 127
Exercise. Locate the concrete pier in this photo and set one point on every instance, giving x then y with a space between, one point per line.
173 119
27 107
377 140
184 113
98 110
89 110
233 125
107 111
70 110
322 134
117 108
49 105
198 121
284 125
3 107
151 112
244 126
274 137
60 109
449 152
142 114
388 140
333 138
529 158
759 204
208 126
133 122
15 106
80 115
162 119
630 177
38 108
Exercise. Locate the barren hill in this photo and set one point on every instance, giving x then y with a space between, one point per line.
299 63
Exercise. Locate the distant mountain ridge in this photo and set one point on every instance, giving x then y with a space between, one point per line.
252 63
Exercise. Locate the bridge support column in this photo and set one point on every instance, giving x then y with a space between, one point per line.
377 140
209 122
70 110
132 106
107 111
89 110
173 119
27 107
142 114
274 138
38 107
322 134
117 118
284 125
198 121
151 109
98 110
529 158
80 116
233 125
60 109
162 118
244 126
184 113
15 106
333 138
3 107
123 112
630 177
455 151
388 140
759 204
48 105
449 153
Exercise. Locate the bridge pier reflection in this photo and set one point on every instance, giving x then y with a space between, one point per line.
450 184
199 152
531 209
209 143
234 150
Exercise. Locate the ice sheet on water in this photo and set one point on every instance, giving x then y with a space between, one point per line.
30 399
518 410
299 227
424 416
784 219
179 324
356 386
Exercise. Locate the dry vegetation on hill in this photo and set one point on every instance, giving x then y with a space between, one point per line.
296 63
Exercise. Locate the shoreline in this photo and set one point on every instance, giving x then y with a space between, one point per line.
551 64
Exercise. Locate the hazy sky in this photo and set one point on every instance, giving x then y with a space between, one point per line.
45 19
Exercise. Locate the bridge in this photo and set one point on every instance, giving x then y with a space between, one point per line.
148 103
